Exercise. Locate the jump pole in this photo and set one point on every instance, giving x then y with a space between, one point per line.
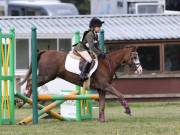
101 41
47 109
29 101
7 77
68 97
78 88
34 74
83 107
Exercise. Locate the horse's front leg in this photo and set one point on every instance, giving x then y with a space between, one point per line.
120 96
101 105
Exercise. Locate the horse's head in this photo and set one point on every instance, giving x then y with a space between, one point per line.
131 58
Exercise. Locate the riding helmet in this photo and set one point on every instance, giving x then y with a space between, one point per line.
95 22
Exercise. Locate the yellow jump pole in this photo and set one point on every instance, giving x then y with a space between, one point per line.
29 101
7 77
68 97
47 109
6 71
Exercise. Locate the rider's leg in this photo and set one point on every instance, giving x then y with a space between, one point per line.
85 55
86 66
85 71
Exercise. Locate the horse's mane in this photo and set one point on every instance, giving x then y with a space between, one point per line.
120 48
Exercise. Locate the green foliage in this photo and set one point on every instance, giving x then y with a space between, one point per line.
82 5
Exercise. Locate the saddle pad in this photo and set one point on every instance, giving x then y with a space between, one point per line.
72 65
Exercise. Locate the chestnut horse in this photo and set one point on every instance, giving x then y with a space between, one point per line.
51 64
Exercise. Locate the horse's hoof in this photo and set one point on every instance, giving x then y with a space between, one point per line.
128 111
101 118
19 103
102 121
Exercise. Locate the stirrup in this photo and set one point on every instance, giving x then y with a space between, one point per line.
83 77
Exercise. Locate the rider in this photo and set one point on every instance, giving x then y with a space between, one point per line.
89 44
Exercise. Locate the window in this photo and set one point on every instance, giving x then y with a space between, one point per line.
35 11
2 13
65 45
120 4
172 57
23 11
131 8
15 13
22 53
173 5
143 8
30 13
149 57
47 44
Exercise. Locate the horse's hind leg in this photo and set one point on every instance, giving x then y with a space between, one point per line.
28 89
122 100
20 103
41 80
101 105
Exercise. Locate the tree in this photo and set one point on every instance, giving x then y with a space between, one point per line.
82 5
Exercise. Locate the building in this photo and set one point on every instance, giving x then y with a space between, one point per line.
157 36
36 8
127 7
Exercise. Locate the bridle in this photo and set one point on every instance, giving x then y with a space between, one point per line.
135 63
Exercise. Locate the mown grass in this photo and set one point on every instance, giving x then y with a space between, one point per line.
160 118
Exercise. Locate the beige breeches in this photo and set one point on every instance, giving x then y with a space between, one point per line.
86 56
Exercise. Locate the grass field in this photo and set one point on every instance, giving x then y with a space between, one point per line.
158 118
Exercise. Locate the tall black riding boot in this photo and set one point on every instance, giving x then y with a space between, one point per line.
85 71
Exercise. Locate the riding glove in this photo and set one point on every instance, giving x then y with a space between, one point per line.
102 55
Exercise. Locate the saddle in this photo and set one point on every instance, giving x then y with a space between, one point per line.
74 63
82 60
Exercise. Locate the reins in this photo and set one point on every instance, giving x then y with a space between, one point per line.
110 65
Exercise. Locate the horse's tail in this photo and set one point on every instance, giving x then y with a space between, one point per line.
30 68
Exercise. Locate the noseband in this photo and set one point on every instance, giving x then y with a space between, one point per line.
134 57
135 66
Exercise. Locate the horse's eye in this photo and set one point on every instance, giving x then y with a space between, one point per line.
135 58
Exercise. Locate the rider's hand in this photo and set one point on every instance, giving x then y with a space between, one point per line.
102 55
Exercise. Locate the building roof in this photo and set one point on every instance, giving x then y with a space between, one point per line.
116 27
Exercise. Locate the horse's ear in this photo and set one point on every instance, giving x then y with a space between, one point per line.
130 46
134 48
